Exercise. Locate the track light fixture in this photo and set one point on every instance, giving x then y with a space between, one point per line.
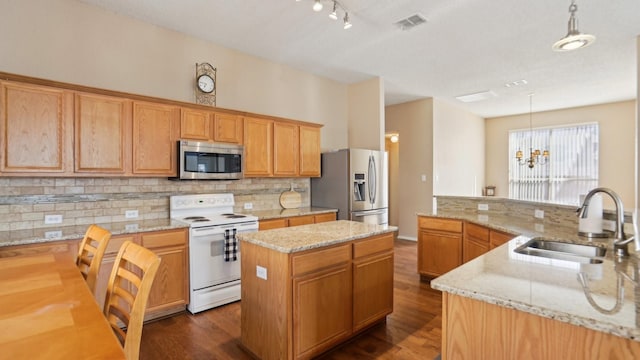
318 6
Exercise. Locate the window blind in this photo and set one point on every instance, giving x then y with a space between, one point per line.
572 168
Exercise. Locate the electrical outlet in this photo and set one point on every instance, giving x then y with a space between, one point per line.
261 272
53 234
131 214
52 219
248 206
131 227
538 214
483 207
483 218
609 225
539 227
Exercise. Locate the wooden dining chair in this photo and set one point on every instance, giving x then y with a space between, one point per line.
90 254
127 293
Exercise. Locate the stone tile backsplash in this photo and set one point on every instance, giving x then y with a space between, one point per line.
24 202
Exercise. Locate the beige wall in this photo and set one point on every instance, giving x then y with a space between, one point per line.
366 115
72 42
617 143
392 154
458 151
413 121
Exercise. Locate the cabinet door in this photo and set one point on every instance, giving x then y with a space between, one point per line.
103 134
322 310
155 129
227 128
195 124
372 289
36 124
258 147
309 151
285 149
473 248
438 252
497 238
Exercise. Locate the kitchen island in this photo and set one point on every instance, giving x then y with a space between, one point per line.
505 304
308 288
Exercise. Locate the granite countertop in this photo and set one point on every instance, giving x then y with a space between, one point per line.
48 234
546 287
280 213
305 237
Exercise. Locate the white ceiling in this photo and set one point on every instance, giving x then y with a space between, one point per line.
466 46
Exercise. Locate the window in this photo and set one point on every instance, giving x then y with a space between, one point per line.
572 169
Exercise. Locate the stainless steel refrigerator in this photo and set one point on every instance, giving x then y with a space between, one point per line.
355 182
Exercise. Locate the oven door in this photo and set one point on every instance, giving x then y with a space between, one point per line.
206 258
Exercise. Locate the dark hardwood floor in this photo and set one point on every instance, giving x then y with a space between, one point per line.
412 331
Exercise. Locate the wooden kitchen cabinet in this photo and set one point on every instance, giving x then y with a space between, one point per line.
273 224
286 149
66 246
372 280
309 151
228 128
195 124
476 241
497 238
295 221
170 290
36 125
322 296
113 246
102 134
439 245
155 132
301 220
258 147
325 217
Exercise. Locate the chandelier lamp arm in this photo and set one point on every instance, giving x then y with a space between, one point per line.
536 157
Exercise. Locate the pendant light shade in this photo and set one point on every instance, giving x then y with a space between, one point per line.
574 39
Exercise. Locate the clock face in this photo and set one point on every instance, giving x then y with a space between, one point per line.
206 84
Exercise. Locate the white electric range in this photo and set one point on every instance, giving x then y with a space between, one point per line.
214 251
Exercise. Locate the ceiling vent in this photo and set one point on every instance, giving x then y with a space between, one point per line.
410 22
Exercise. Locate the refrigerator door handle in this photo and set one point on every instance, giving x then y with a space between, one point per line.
372 179
367 213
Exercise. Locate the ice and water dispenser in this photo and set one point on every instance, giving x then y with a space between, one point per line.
359 187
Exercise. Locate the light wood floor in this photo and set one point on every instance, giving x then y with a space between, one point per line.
412 331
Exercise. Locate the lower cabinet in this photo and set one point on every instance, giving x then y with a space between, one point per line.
296 220
476 241
309 301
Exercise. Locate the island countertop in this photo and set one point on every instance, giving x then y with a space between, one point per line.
551 288
305 237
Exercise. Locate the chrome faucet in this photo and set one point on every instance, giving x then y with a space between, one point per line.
620 243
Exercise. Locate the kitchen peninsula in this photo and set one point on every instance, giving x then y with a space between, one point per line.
505 304
308 288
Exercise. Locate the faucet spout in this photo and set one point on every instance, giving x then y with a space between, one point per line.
620 242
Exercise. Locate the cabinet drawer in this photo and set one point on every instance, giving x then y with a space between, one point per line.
325 217
440 224
301 220
167 238
477 232
114 244
318 259
272 224
371 246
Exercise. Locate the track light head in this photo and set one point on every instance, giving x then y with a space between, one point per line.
334 13
317 6
347 24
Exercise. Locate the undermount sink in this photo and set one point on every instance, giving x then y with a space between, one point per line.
584 254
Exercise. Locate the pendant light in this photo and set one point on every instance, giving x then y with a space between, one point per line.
574 39
536 157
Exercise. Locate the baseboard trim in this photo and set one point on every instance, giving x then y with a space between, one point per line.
400 237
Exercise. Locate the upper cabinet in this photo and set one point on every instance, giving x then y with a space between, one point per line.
309 151
54 129
155 132
102 134
286 149
228 128
36 124
258 153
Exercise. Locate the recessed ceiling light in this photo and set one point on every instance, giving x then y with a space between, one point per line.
516 83
483 95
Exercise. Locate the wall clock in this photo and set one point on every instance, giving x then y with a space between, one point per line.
205 84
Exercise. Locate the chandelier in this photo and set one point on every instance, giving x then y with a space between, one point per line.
536 157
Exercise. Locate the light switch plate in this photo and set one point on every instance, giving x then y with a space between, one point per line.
261 272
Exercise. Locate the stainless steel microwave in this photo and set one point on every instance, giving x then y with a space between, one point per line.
199 160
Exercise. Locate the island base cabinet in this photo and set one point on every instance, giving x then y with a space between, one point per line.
321 311
473 329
